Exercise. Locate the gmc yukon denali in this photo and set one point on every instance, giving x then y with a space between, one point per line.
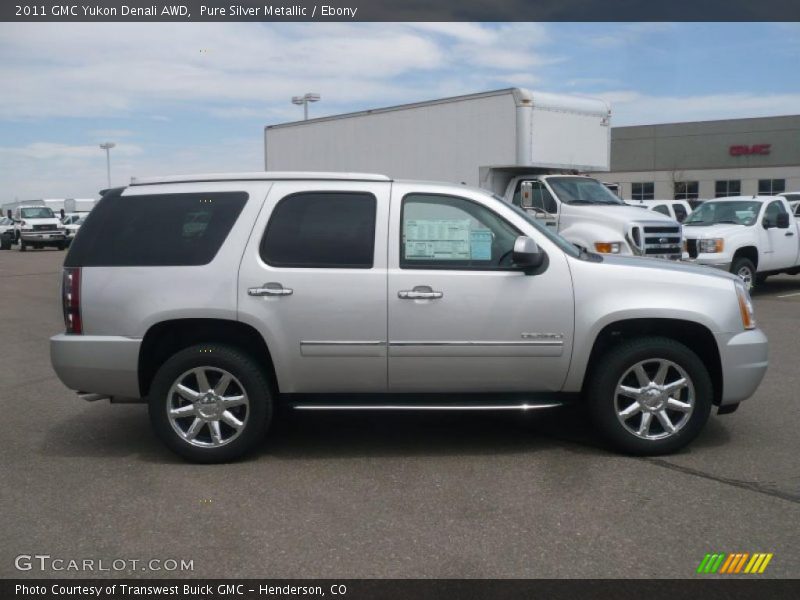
218 298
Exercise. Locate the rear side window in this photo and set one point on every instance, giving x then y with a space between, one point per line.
155 230
322 230
662 208
680 212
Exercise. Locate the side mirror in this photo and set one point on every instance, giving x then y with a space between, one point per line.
527 255
783 221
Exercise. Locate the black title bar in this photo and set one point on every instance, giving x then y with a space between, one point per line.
401 10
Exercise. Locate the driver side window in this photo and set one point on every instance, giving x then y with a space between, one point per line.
541 198
771 214
448 232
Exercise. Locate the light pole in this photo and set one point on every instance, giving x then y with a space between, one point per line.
304 100
107 146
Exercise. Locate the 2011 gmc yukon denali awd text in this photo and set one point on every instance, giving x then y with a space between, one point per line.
217 297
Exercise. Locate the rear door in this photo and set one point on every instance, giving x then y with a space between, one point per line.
313 282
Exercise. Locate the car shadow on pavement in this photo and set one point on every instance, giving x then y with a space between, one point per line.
777 286
125 432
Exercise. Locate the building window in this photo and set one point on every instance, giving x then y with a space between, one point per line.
770 187
643 191
728 187
687 190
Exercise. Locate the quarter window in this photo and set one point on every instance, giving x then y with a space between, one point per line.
680 212
643 191
448 232
662 208
321 230
155 230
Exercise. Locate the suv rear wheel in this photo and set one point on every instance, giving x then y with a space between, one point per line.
210 403
650 396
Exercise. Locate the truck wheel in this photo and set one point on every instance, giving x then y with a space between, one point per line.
650 396
761 279
61 245
210 403
746 271
5 243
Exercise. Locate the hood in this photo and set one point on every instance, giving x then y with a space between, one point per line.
637 262
47 221
704 232
622 214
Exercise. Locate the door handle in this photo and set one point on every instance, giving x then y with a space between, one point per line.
789 234
270 289
420 292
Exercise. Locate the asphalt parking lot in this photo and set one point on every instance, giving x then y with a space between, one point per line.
387 496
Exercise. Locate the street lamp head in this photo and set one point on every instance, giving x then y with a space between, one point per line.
107 146
297 100
311 97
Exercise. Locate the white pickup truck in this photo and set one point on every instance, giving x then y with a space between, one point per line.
750 236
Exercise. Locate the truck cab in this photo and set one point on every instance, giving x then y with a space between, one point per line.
750 236
586 213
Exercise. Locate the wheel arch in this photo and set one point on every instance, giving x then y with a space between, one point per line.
695 336
165 338
748 252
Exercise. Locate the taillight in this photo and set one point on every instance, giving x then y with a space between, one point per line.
71 299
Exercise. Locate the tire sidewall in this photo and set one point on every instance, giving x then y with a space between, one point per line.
745 262
603 385
249 374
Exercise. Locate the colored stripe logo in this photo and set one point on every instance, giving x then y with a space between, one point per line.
735 563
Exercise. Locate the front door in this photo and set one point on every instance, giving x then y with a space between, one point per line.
313 282
540 203
781 247
461 317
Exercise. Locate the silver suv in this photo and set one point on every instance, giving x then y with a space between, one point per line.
218 297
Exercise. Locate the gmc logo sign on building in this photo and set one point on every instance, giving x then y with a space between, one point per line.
738 150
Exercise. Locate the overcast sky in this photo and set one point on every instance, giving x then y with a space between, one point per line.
179 98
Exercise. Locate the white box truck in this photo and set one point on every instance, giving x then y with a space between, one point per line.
521 145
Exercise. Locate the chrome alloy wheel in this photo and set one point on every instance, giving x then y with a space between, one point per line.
745 273
207 407
654 399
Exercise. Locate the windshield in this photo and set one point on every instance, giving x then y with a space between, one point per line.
582 190
736 212
37 212
553 237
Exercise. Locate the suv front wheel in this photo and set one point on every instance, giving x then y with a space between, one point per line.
650 396
210 403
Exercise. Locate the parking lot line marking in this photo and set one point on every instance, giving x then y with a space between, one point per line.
788 295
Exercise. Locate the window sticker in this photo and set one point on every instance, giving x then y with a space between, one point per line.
480 244
437 239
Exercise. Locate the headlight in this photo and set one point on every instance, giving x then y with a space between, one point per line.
608 247
745 306
711 246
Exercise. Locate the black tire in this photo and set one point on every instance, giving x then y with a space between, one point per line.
253 380
743 265
5 242
61 245
607 374
761 279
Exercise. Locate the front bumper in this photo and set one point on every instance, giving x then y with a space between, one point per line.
107 365
723 264
43 236
744 363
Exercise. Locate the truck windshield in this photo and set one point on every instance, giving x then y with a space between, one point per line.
37 212
553 237
735 212
582 190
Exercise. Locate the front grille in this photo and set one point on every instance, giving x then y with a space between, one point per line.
691 247
662 240
44 227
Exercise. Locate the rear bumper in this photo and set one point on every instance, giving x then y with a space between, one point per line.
107 365
744 363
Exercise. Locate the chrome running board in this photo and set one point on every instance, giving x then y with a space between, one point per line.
410 407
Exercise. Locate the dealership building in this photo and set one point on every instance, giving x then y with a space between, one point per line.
706 159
